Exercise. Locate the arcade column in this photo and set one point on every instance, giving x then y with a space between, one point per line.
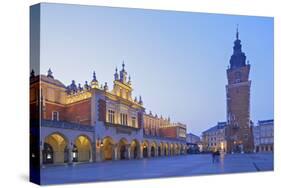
70 154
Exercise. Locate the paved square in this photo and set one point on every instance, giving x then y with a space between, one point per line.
186 165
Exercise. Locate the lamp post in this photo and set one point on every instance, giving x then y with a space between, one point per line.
98 142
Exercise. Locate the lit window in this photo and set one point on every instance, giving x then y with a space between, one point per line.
134 121
55 116
123 119
111 116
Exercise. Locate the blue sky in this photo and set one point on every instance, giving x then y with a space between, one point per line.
177 60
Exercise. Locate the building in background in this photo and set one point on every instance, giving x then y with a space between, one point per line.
264 136
213 139
193 143
163 127
192 138
239 135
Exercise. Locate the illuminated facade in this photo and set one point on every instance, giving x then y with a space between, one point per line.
213 139
92 123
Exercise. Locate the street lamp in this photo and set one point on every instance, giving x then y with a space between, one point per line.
222 146
99 142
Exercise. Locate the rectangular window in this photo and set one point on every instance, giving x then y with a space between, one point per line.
123 119
134 121
111 116
126 119
55 116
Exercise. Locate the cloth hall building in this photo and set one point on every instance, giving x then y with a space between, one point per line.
91 123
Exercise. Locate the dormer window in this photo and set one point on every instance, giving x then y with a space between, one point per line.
55 116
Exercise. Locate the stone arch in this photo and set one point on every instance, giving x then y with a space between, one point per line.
145 148
55 149
83 148
153 149
122 149
108 148
135 149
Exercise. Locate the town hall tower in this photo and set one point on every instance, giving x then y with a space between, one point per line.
239 130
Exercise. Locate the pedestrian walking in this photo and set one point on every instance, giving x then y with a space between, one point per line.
213 156
217 156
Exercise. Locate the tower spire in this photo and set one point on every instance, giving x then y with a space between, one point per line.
123 65
238 58
50 73
237 31
94 82
123 73
94 76
32 74
116 76
129 81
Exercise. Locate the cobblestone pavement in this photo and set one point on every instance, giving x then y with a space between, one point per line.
184 165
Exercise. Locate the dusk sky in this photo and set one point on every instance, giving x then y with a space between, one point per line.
177 60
